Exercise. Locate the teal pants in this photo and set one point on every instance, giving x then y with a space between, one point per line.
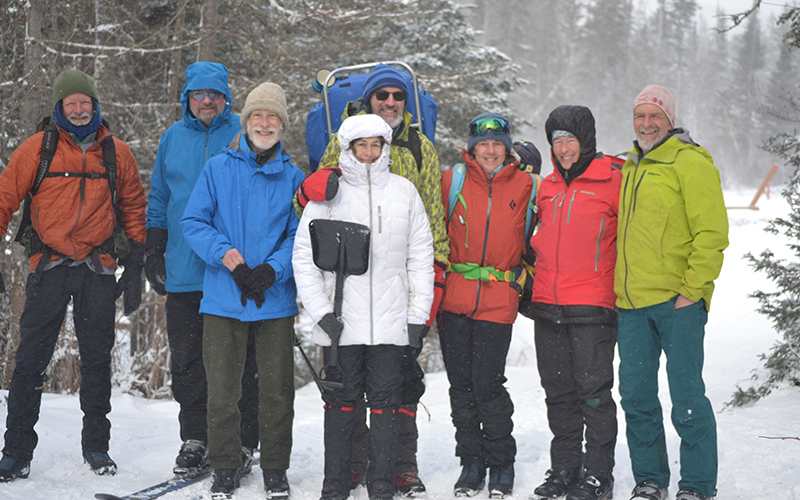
642 335
224 351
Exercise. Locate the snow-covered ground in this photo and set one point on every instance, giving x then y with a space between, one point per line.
145 433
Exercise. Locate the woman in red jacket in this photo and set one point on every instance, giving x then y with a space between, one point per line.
486 227
573 306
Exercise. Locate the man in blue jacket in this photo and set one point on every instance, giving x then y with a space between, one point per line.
207 127
241 222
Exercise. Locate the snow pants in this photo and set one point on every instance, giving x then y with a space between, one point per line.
45 308
474 355
224 351
374 371
576 365
189 387
406 421
642 335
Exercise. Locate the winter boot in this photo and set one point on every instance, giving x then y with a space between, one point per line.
593 488
225 483
100 462
690 495
276 484
12 467
649 491
380 490
248 459
409 484
501 481
471 480
192 459
333 490
557 483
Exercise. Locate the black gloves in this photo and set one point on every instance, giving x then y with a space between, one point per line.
130 284
331 325
155 268
253 282
416 333
262 277
239 275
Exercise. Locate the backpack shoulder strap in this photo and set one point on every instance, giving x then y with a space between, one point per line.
457 183
110 162
533 207
49 145
413 144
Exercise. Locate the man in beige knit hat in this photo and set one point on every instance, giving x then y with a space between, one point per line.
241 222
672 230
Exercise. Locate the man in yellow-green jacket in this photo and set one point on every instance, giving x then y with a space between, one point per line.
672 230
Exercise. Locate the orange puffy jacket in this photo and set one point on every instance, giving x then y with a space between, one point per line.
491 234
73 215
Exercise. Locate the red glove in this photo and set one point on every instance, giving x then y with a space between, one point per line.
322 185
438 289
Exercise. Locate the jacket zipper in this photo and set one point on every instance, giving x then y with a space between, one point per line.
557 221
485 241
629 214
371 319
599 239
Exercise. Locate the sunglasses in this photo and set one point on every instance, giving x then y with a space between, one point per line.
480 127
382 95
199 95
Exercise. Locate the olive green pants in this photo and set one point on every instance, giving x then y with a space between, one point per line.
224 350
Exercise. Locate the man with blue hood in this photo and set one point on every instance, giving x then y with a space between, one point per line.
174 269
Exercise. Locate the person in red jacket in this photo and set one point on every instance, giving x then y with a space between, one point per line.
573 307
487 232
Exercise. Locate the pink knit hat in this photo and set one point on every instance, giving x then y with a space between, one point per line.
661 97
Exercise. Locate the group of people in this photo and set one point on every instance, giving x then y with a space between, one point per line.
626 253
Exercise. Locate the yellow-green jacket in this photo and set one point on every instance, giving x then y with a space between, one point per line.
426 179
672 226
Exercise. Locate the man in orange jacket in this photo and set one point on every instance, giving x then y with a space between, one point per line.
77 232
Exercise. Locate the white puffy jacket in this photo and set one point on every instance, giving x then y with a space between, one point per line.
399 281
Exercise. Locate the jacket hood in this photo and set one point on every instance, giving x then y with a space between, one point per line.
206 75
357 127
578 121
666 150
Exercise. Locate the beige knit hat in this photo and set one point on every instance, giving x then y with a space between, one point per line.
268 96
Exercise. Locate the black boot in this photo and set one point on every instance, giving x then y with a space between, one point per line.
592 488
557 483
192 459
276 484
225 483
471 480
501 481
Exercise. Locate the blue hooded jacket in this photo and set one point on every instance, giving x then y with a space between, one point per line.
237 204
183 150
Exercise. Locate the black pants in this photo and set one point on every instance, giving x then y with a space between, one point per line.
45 308
374 372
474 355
189 385
406 421
576 366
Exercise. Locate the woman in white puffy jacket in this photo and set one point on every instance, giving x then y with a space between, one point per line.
383 309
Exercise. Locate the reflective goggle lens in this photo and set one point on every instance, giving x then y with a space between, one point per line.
480 127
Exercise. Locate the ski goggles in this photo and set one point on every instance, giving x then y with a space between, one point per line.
481 127
382 95
200 95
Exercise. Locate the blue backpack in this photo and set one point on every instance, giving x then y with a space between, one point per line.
347 87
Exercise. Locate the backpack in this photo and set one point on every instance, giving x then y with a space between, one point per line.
117 244
325 117
454 197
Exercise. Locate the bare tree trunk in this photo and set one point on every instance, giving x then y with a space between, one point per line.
208 26
175 66
38 99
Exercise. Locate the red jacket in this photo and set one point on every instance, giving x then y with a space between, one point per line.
492 236
575 244
68 221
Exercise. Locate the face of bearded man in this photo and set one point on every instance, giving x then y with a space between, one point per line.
651 125
264 129
77 109
389 109
206 109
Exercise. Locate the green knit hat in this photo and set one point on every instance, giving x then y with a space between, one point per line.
73 81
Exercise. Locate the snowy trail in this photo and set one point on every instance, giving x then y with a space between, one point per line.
145 433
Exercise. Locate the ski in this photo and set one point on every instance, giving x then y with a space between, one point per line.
156 490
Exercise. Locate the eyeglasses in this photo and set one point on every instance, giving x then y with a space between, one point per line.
382 95
200 95
480 127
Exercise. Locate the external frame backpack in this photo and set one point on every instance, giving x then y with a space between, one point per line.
345 85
